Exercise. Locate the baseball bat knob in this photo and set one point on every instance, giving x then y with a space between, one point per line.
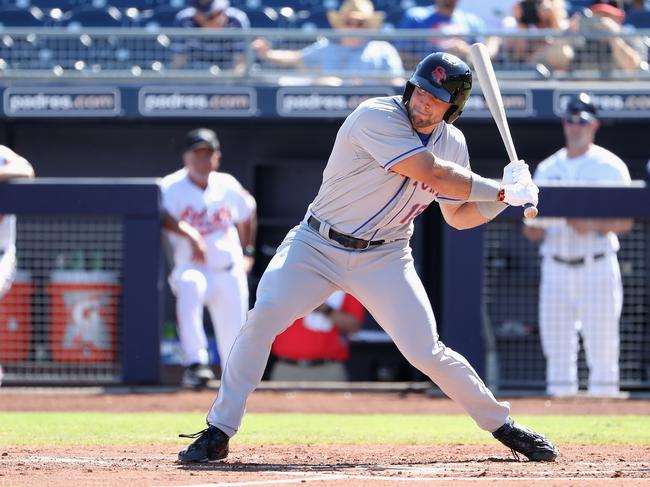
530 211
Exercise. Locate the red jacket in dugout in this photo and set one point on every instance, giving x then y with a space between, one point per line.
316 337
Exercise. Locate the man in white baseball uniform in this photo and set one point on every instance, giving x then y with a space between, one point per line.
210 220
391 158
580 289
12 166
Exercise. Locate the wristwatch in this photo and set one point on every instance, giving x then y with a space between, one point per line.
326 309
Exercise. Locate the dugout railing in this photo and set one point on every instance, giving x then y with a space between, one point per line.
85 307
490 289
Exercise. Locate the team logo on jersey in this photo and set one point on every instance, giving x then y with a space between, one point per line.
207 223
439 75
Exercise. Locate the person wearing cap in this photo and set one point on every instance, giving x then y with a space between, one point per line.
580 290
613 53
210 221
458 29
341 56
546 53
198 53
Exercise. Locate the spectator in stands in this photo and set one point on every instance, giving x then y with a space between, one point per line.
580 289
315 348
224 53
552 52
12 166
442 18
491 11
343 56
611 53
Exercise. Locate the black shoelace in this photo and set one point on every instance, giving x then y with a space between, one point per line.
193 435
514 454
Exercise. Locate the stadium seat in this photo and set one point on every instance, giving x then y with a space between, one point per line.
638 19
88 16
162 16
312 19
46 5
266 18
22 17
125 4
575 6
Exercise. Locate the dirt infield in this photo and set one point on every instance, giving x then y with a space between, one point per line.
331 465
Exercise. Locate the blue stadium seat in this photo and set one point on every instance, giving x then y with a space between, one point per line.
577 5
22 17
638 19
312 19
294 4
88 16
46 5
162 16
266 18
124 4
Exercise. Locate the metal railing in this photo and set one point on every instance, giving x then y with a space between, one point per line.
228 54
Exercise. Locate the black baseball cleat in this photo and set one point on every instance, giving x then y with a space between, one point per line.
520 439
211 444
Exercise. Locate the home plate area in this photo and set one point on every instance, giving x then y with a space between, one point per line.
329 465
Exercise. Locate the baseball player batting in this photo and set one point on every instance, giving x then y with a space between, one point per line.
392 157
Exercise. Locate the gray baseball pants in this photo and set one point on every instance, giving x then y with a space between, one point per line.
305 270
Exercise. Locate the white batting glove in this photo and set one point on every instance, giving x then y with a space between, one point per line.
515 172
519 194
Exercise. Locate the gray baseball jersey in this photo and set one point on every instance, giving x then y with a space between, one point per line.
360 196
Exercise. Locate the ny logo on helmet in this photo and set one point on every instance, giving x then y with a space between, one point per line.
439 75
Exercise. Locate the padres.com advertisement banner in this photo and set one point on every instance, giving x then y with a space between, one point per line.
610 104
324 101
172 101
202 100
61 102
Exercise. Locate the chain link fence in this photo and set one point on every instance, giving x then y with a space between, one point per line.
510 300
59 322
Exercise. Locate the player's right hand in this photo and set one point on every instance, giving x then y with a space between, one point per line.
515 172
197 244
520 193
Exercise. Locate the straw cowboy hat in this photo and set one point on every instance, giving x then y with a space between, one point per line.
356 10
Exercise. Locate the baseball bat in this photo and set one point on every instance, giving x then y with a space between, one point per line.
488 80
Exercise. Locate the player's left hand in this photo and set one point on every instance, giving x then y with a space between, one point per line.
520 194
516 172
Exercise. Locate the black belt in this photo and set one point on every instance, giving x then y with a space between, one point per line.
345 240
577 261
305 363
